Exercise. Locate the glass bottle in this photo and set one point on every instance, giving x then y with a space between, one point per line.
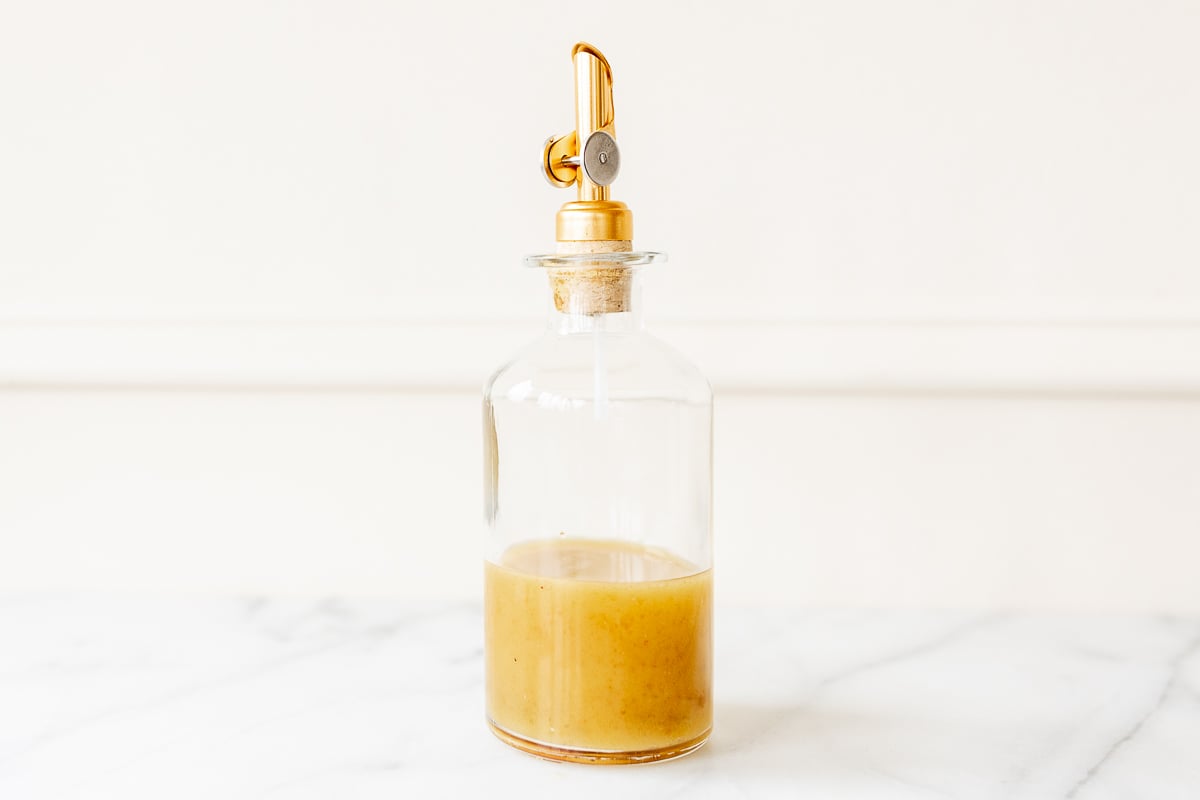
598 571
598 493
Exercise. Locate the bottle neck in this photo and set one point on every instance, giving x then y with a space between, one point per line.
595 300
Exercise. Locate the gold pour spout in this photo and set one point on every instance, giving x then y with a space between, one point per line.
588 158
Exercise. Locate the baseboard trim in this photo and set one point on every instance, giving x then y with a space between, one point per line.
769 356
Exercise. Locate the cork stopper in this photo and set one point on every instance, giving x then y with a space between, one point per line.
593 277
592 288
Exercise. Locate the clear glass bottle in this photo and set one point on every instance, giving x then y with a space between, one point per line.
598 570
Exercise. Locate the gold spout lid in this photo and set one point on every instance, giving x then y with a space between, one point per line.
588 158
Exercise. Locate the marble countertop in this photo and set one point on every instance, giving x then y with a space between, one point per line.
206 698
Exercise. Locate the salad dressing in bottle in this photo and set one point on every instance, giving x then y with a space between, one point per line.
598 493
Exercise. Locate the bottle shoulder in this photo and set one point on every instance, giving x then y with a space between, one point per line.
686 370
634 365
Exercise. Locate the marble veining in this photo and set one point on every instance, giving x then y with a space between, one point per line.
286 698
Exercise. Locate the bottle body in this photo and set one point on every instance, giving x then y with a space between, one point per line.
598 562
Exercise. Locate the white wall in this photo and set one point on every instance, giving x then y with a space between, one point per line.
846 500
939 259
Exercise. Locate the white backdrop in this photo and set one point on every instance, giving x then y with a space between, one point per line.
939 259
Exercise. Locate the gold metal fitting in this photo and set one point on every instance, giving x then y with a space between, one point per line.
588 157
594 221
557 158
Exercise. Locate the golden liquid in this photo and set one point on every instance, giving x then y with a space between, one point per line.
598 650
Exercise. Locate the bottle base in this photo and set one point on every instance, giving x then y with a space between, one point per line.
578 756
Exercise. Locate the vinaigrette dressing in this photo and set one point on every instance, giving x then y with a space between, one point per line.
601 646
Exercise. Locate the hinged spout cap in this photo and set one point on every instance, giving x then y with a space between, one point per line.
588 157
